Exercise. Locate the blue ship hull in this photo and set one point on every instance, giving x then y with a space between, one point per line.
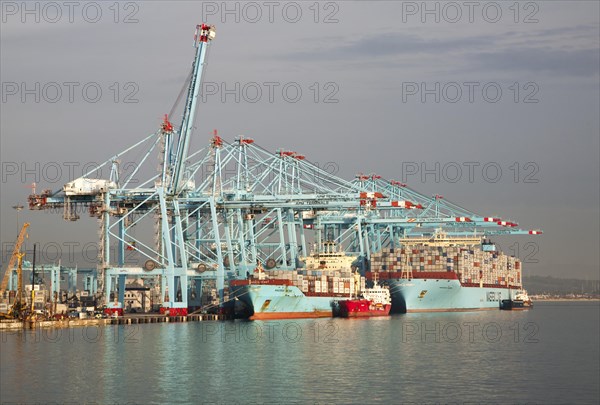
282 302
424 295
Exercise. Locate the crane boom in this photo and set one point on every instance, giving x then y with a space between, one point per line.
204 34
14 257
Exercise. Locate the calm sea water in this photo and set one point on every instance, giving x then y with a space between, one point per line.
548 355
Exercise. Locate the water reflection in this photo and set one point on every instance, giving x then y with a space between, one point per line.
549 355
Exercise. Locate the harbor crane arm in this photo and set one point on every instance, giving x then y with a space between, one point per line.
204 34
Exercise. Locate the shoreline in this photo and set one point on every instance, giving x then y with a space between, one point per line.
565 299
12 325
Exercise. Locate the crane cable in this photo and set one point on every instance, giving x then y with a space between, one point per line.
186 85
187 81
183 88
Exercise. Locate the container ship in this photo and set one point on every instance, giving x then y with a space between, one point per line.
442 273
311 292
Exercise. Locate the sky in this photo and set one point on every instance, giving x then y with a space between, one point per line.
414 91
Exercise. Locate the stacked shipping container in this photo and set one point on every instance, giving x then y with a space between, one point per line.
319 282
471 265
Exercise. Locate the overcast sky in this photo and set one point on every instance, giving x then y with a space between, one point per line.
399 88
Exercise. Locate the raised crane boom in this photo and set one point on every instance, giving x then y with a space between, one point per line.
204 34
14 257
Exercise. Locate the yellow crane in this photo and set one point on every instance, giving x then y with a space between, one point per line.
16 309
16 256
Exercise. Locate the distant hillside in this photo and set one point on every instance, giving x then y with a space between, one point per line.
560 286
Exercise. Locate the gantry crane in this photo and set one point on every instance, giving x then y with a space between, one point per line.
219 210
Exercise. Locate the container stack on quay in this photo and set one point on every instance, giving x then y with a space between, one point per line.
473 266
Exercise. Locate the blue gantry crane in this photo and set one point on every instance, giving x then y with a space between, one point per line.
217 211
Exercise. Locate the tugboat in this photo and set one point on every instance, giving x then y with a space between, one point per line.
375 301
520 302
522 296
